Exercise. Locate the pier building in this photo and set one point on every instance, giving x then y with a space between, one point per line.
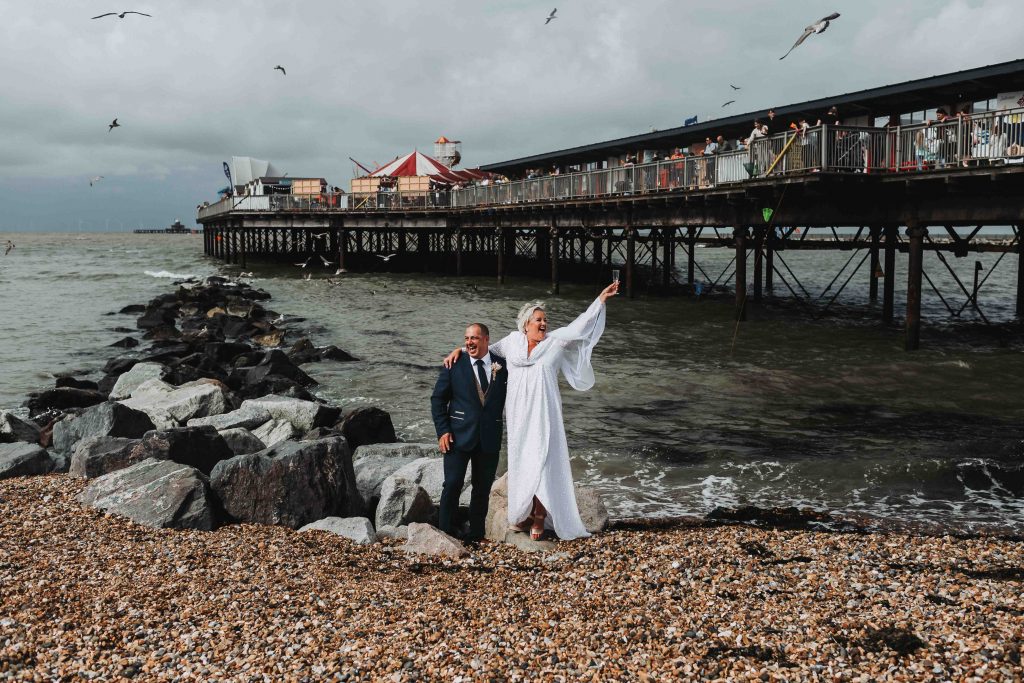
916 169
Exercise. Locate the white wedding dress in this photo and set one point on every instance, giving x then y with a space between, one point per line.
538 455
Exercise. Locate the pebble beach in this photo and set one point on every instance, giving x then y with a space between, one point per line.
92 596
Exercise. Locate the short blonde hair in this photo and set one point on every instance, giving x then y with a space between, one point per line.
525 312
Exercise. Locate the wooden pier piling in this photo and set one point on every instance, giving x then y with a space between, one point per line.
740 234
889 273
915 268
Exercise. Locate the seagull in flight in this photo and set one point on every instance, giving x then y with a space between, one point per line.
321 235
281 69
818 27
113 125
728 103
340 271
735 87
121 15
387 258
306 264
326 262
9 246
95 179
551 16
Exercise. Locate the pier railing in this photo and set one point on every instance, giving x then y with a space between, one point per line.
987 138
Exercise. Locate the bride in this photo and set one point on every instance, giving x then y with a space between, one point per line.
540 488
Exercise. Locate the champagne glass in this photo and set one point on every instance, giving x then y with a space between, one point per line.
615 275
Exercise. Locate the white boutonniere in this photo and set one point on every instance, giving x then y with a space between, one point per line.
495 369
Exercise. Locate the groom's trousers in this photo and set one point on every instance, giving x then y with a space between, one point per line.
485 465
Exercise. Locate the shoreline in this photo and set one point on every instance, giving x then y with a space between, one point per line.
769 517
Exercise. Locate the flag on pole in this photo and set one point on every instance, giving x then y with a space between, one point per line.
690 121
227 170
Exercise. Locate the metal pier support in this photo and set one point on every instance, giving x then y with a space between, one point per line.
889 275
630 259
758 263
876 235
555 249
1020 271
741 273
915 267
691 244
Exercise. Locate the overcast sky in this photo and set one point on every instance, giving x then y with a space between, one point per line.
196 84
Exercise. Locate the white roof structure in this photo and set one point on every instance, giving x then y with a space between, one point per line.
244 170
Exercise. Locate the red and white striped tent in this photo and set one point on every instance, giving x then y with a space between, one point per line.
418 164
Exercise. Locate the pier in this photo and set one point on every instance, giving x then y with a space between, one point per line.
924 189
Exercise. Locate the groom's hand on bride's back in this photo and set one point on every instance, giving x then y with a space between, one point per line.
445 442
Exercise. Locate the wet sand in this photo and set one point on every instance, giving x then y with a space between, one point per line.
88 595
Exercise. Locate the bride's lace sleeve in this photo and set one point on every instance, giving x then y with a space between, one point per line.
500 347
578 340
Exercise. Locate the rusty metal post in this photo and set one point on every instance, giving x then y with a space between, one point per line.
889 274
458 251
915 266
741 272
876 235
758 263
555 248
769 260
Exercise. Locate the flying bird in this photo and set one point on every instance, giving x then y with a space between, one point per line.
551 16
340 271
387 258
818 27
734 87
281 69
728 103
113 125
321 235
95 179
326 262
9 246
306 264
121 15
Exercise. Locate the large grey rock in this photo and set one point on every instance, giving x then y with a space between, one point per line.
593 511
356 529
247 417
496 525
367 425
157 493
427 540
170 406
242 441
99 455
375 463
13 428
397 532
291 484
198 447
136 377
23 460
402 501
429 473
106 419
591 506
275 432
303 415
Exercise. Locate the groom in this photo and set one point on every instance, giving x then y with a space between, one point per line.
467 405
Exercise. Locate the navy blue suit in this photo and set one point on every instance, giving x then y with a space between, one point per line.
476 428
